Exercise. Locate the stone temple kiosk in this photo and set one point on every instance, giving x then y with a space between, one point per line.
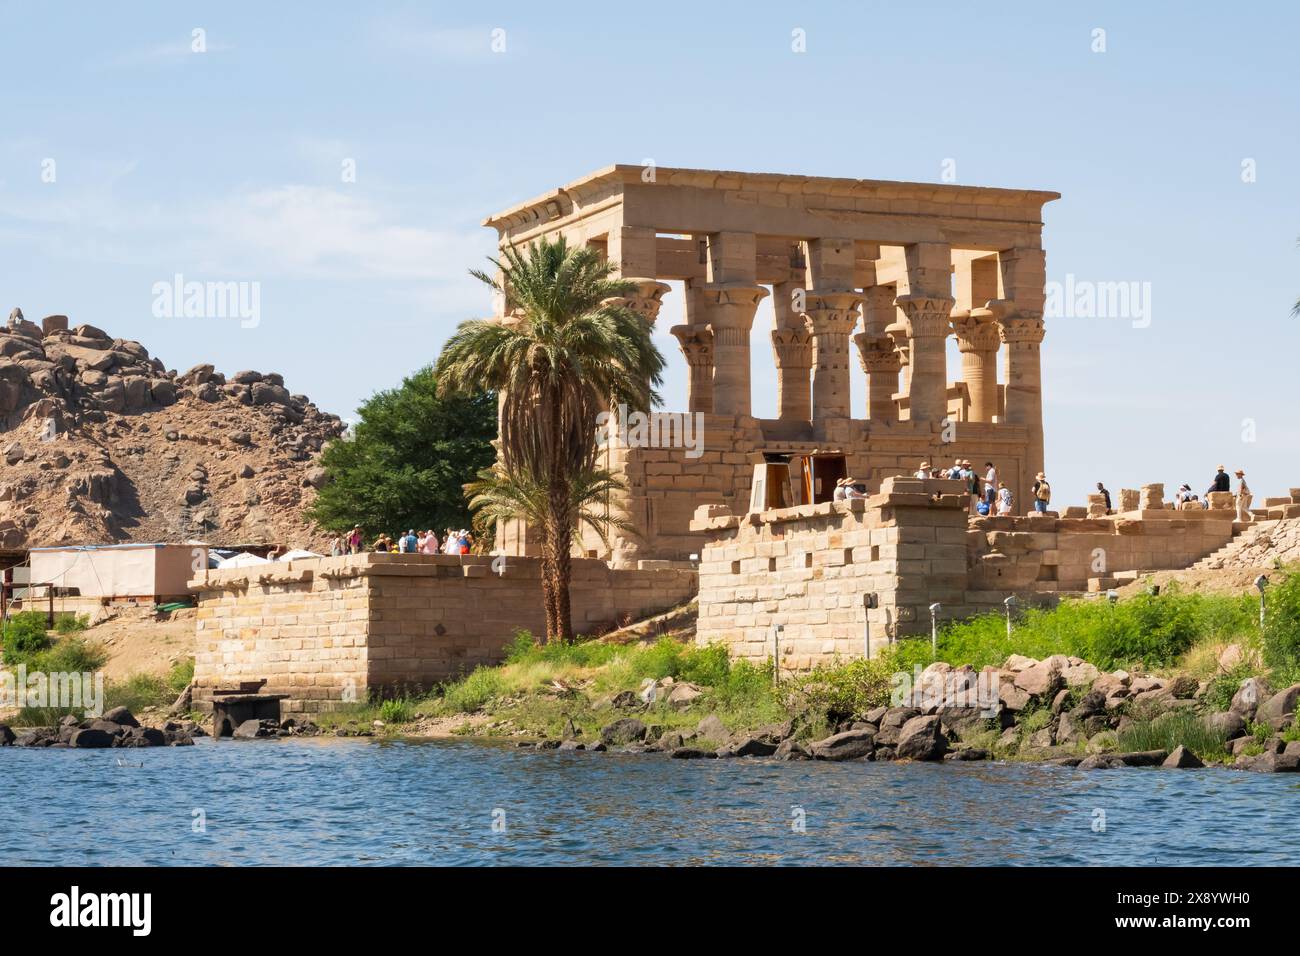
881 273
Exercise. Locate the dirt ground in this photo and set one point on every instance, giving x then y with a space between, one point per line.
139 641
1225 581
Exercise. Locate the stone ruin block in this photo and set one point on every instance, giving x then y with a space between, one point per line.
1129 499
1222 500
1096 506
1151 498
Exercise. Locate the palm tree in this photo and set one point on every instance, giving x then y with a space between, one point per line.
567 350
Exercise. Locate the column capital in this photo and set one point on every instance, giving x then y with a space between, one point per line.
696 342
1021 330
731 300
928 316
877 353
792 348
975 331
645 299
832 309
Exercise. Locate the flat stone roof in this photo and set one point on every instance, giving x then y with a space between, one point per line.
610 178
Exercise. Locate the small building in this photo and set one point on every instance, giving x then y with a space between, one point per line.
156 572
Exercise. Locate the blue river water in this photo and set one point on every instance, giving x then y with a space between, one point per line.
464 802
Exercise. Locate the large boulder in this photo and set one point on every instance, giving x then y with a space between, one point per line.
850 745
1182 759
712 728
622 732
922 738
121 715
92 737
891 724
1042 679
1252 692
1278 711
1229 723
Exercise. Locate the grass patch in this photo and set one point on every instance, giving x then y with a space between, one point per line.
71 624
1155 631
1180 728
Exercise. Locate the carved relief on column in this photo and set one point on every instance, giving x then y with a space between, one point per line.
697 347
881 361
896 332
727 310
831 318
928 322
646 299
977 339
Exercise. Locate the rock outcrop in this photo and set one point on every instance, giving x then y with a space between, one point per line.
102 443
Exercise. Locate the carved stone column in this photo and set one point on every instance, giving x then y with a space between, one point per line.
792 353
977 340
881 361
697 347
928 326
793 349
727 310
831 318
1022 334
896 332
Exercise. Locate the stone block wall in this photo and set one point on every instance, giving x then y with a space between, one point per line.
911 545
666 484
809 568
1050 554
329 629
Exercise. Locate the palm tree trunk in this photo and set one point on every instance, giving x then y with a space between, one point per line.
548 588
563 610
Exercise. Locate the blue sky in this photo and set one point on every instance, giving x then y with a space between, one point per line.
227 165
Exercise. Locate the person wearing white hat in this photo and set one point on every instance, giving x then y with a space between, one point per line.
924 470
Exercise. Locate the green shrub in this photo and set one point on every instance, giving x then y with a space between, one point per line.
1281 634
852 689
181 674
581 652
138 692
1172 730
1223 687
24 636
396 711
72 655
1154 630
71 623
470 694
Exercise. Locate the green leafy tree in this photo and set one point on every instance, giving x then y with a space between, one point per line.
568 349
408 460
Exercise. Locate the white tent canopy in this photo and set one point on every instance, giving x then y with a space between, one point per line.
243 559
297 554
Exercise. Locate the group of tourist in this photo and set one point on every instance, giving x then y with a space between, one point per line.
990 495
412 542
1185 498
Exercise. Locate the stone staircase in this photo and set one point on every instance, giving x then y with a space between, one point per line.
1239 543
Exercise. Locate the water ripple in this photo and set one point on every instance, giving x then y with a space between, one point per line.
330 802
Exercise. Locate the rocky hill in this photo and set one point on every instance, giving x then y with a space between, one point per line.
100 442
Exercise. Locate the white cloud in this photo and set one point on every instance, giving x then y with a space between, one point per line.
162 54
456 43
